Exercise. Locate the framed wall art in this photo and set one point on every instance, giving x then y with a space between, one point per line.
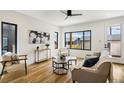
36 37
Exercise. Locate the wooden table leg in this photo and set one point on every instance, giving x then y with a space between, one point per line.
25 67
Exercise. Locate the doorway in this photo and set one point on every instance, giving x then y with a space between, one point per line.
8 37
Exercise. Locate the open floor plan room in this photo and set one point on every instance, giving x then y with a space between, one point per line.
62 46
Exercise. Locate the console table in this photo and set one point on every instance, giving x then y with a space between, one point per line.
42 55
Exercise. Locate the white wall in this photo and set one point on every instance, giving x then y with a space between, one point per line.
98 34
25 24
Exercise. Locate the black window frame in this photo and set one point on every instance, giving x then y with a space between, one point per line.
16 26
57 40
83 39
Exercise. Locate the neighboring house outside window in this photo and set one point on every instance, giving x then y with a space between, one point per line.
78 40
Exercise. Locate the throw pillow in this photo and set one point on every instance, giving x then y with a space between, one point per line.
90 62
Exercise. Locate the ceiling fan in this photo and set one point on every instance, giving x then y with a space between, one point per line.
69 14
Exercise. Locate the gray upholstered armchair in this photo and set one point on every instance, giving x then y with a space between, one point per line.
64 51
88 75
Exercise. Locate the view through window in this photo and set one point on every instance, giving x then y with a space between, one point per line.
9 37
78 40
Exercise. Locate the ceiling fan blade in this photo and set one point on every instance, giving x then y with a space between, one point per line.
63 12
66 17
69 12
76 14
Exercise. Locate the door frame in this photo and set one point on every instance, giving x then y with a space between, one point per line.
2 35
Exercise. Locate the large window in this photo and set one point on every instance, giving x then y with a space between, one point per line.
78 40
114 39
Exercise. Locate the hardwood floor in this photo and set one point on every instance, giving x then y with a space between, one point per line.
37 73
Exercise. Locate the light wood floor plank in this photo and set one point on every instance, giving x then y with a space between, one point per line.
38 73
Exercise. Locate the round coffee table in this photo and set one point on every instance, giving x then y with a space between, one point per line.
60 66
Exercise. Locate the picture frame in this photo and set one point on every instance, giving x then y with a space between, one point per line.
36 37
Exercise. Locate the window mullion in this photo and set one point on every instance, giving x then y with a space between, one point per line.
83 40
110 31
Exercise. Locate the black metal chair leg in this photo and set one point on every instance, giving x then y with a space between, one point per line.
3 68
73 81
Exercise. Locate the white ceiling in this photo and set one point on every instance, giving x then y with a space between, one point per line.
57 18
